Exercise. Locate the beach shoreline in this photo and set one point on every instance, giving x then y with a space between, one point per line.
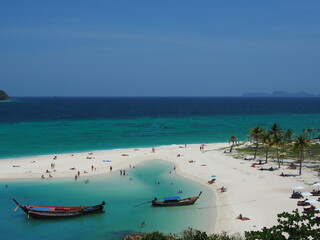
258 195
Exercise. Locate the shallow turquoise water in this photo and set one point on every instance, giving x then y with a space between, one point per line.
119 192
36 126
37 138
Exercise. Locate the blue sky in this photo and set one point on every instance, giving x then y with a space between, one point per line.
159 48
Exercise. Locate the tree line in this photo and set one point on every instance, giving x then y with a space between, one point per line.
277 138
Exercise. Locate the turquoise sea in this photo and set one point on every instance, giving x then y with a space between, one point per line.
121 195
35 126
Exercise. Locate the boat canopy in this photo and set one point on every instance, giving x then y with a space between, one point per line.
171 198
45 209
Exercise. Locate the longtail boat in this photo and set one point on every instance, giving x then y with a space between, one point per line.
175 201
37 211
39 214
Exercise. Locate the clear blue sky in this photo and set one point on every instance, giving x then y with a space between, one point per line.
158 48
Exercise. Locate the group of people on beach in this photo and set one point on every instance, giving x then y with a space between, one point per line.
52 166
202 147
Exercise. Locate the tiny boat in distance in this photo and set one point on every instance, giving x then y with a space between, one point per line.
175 201
37 211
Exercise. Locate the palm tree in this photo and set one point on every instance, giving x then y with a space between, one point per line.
309 132
302 145
267 141
288 135
282 156
255 134
278 141
232 139
275 128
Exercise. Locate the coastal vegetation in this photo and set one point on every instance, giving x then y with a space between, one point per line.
256 134
302 145
4 96
279 144
293 226
232 139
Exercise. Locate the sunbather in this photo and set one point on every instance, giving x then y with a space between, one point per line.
240 217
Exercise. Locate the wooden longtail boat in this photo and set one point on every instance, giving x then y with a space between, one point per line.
37 211
175 201
39 214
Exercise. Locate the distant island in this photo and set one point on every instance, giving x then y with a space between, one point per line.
4 96
280 94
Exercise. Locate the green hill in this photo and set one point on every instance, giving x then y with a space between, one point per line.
3 96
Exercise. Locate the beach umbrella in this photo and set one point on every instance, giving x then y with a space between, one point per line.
213 176
316 185
298 187
311 201
306 194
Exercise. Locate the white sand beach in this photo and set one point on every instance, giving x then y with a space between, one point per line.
258 195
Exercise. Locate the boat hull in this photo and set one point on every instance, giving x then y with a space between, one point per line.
178 202
37 211
182 202
53 215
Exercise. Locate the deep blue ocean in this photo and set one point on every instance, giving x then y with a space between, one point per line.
33 126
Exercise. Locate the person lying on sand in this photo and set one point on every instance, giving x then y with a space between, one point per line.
212 181
285 175
222 189
240 217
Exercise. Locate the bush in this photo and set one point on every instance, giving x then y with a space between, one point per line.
155 236
292 226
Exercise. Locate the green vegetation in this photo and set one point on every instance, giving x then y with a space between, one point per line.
302 145
187 234
293 226
232 139
278 144
290 226
256 134
3 96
